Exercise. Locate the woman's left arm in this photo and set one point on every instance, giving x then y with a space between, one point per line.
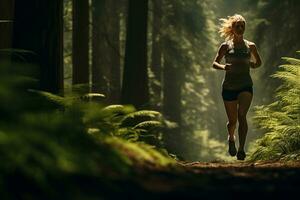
256 55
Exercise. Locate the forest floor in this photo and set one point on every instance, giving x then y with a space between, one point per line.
183 180
219 180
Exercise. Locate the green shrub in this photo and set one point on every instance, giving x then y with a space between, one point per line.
281 119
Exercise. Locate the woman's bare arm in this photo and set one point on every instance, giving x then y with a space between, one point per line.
221 52
256 55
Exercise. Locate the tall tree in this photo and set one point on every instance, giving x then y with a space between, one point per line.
135 88
114 47
173 77
80 42
99 48
39 27
156 56
106 55
6 23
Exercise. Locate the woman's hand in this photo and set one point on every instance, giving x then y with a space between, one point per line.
227 66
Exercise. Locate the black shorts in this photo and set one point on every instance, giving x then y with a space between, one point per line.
232 95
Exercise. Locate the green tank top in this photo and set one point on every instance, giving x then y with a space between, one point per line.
238 76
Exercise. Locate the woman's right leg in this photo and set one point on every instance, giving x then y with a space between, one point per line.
231 108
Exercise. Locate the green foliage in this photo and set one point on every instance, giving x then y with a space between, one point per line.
268 16
40 144
55 99
140 116
125 122
281 119
48 141
141 153
114 120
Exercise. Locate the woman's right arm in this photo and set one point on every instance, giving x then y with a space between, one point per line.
221 52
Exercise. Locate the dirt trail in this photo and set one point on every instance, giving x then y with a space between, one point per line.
238 180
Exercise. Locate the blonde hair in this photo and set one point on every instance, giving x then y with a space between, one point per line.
226 25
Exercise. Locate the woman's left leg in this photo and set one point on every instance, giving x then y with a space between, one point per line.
244 102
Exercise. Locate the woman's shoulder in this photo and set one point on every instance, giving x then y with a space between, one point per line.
226 44
223 46
249 43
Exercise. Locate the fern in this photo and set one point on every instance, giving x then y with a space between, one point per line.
60 101
293 61
126 123
148 125
117 112
281 119
140 116
113 120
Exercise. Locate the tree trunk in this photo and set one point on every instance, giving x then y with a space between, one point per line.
81 42
156 51
115 75
6 23
39 28
172 84
99 48
135 88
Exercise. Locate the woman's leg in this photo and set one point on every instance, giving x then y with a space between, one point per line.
244 102
232 114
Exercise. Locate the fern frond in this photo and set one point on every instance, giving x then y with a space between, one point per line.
135 118
128 134
91 96
62 101
293 61
289 77
118 109
148 125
